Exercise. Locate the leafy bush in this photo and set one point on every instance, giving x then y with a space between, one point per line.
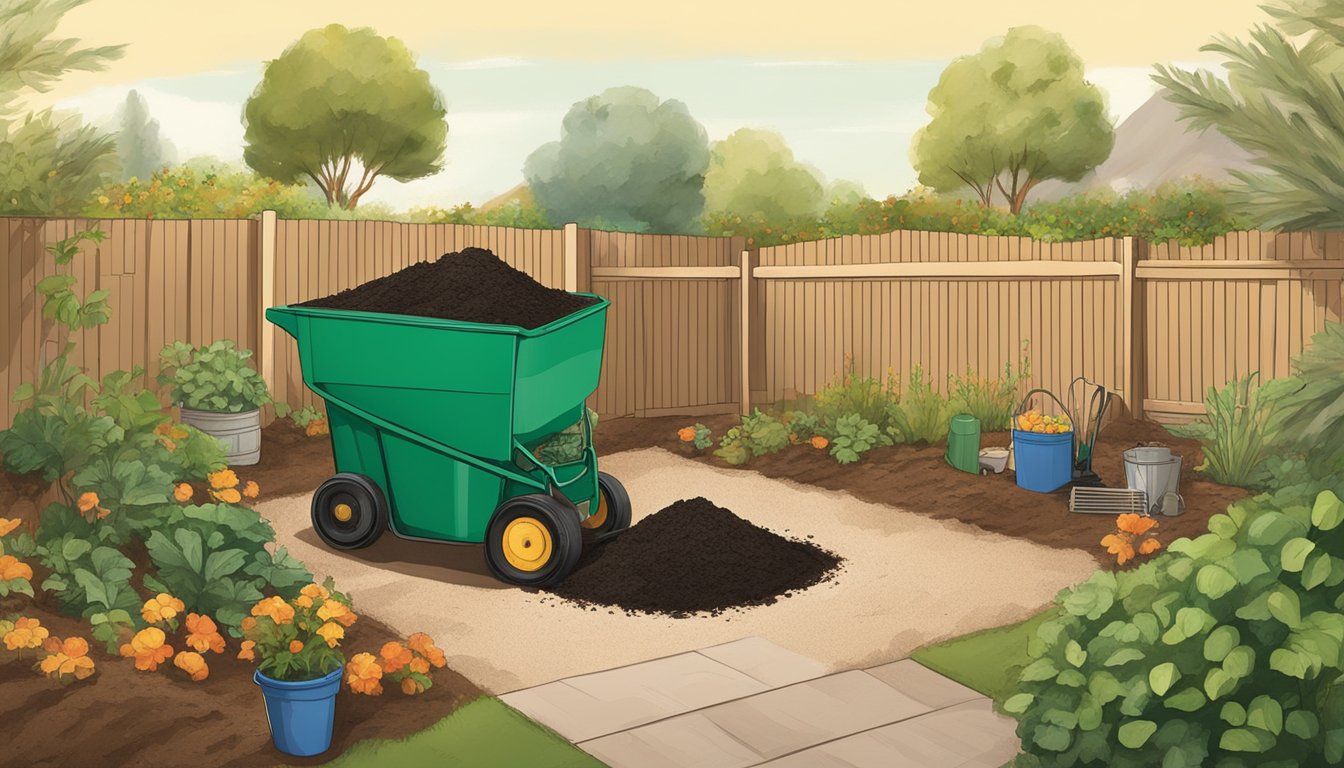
854 436
1225 651
758 435
1237 434
698 436
213 378
991 400
1312 405
923 412
299 639
865 396
188 192
519 214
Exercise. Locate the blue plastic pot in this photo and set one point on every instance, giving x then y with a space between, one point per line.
1044 463
301 713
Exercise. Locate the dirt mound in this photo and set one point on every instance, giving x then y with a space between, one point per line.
472 285
691 557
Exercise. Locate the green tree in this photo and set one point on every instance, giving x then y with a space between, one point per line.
343 107
754 172
625 160
141 149
1011 116
50 163
1284 102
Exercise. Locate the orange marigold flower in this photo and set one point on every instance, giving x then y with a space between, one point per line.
687 434
87 501
203 635
161 607
424 645
1149 546
248 652
183 493
1119 546
410 686
315 591
335 610
1135 524
7 526
148 649
418 664
276 608
819 442
224 478
227 495
394 656
295 646
332 632
27 633
68 657
248 623
251 490
363 675
13 568
193 664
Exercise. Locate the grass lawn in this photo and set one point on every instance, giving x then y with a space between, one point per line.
485 732
987 661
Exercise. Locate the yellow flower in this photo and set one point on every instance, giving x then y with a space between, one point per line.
203 635
183 493
193 664
334 610
148 649
251 490
102 199
126 198
363 674
247 651
68 657
161 607
7 526
227 495
276 608
332 633
13 568
27 633
315 592
224 478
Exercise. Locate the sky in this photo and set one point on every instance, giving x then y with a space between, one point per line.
847 88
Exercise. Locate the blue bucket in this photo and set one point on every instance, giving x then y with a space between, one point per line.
1044 462
301 713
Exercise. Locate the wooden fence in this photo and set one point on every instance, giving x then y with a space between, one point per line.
699 325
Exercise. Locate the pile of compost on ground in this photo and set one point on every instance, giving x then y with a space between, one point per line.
693 557
472 285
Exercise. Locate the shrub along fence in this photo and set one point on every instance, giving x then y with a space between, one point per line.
699 325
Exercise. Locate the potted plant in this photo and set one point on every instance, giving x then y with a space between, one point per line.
296 645
219 393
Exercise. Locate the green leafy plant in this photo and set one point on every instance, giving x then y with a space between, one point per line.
566 446
87 575
1312 405
866 396
759 434
1224 651
1238 434
992 400
803 426
299 639
112 628
922 413
854 436
213 378
698 436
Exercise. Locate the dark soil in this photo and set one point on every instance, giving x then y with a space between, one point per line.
472 285
291 462
694 557
916 478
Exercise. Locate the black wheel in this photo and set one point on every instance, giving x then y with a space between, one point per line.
613 509
533 541
349 511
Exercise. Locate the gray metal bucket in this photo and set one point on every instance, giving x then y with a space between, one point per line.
1153 470
239 432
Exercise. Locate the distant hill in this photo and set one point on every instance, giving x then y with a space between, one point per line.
520 194
1153 145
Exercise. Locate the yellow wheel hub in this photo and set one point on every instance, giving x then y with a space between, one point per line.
598 518
527 544
343 512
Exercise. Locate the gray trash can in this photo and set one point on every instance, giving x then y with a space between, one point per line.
1153 470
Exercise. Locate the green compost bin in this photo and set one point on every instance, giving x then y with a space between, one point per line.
963 443
444 416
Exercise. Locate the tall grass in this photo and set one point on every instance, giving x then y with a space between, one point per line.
1237 436
991 400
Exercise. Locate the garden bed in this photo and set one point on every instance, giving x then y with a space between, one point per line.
918 479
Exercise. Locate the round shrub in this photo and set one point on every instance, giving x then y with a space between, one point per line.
1223 652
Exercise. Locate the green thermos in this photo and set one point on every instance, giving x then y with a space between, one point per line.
963 443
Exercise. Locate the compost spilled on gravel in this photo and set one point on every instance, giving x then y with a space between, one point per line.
694 557
473 285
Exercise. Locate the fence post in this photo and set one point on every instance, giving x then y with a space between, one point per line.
266 297
744 305
1131 330
571 254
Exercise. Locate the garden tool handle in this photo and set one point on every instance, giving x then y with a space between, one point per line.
1027 398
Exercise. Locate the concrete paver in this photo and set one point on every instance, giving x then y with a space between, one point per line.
923 684
766 661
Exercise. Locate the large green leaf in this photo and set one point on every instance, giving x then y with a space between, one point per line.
1214 581
1328 511
1285 606
1220 641
1302 724
1266 714
1162 677
223 563
1239 661
1294 554
1186 700
1135 733
1246 740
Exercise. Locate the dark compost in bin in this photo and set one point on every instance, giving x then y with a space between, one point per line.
473 285
694 556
